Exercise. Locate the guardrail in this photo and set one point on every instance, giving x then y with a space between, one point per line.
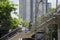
9 35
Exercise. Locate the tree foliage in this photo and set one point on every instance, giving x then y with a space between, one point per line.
23 22
5 13
14 23
52 10
43 18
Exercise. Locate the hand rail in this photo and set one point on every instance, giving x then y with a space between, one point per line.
10 34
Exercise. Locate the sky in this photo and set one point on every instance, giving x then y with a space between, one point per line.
53 2
15 2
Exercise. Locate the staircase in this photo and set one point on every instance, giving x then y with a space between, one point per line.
14 35
34 30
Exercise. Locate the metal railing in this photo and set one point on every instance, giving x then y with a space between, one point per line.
9 35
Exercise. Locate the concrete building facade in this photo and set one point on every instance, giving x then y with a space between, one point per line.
22 9
27 9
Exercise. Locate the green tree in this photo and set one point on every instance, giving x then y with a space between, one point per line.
52 10
23 22
5 13
14 23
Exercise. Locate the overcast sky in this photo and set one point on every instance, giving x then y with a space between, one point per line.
53 2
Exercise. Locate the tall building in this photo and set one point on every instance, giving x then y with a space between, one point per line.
42 7
22 9
26 9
